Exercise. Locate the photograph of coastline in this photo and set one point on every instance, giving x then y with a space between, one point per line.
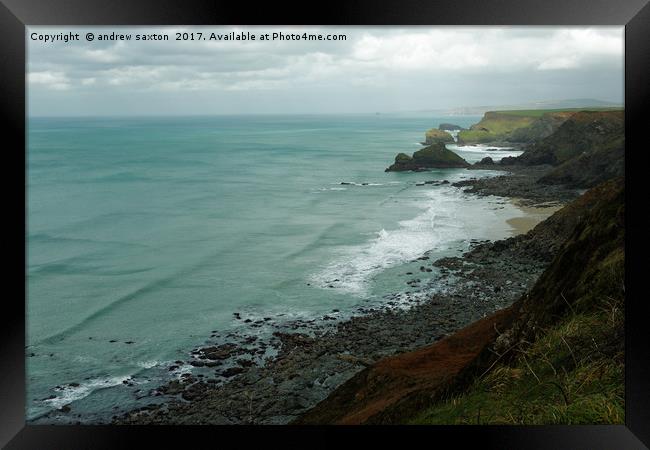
325 225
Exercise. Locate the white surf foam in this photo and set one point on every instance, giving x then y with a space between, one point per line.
149 364
480 151
68 394
448 217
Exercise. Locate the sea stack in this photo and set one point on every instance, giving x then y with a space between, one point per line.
435 156
434 135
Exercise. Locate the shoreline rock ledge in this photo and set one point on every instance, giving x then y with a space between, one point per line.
435 156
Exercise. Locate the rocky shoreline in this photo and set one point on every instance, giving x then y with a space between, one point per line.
249 380
519 182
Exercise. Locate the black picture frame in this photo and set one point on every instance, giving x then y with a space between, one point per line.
16 14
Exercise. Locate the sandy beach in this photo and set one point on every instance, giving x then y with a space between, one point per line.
531 215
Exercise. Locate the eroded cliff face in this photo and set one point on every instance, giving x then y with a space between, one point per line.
541 348
582 133
588 268
587 149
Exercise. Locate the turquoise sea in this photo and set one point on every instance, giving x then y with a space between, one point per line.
146 234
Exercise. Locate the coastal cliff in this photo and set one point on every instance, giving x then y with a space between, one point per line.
587 149
433 156
517 126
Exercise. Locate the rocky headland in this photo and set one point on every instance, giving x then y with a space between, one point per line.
522 127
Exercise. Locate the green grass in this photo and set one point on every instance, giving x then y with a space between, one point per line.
541 112
476 136
435 135
572 374
494 126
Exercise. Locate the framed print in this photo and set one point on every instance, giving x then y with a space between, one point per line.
384 221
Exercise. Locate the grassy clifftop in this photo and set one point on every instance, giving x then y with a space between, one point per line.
520 126
494 126
435 135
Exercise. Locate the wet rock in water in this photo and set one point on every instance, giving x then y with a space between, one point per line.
219 352
231 372
172 388
292 340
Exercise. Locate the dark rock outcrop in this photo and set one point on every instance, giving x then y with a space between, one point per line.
583 132
589 168
450 127
435 156
587 149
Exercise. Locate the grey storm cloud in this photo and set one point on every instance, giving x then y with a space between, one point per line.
373 69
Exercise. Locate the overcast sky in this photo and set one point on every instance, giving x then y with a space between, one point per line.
381 69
